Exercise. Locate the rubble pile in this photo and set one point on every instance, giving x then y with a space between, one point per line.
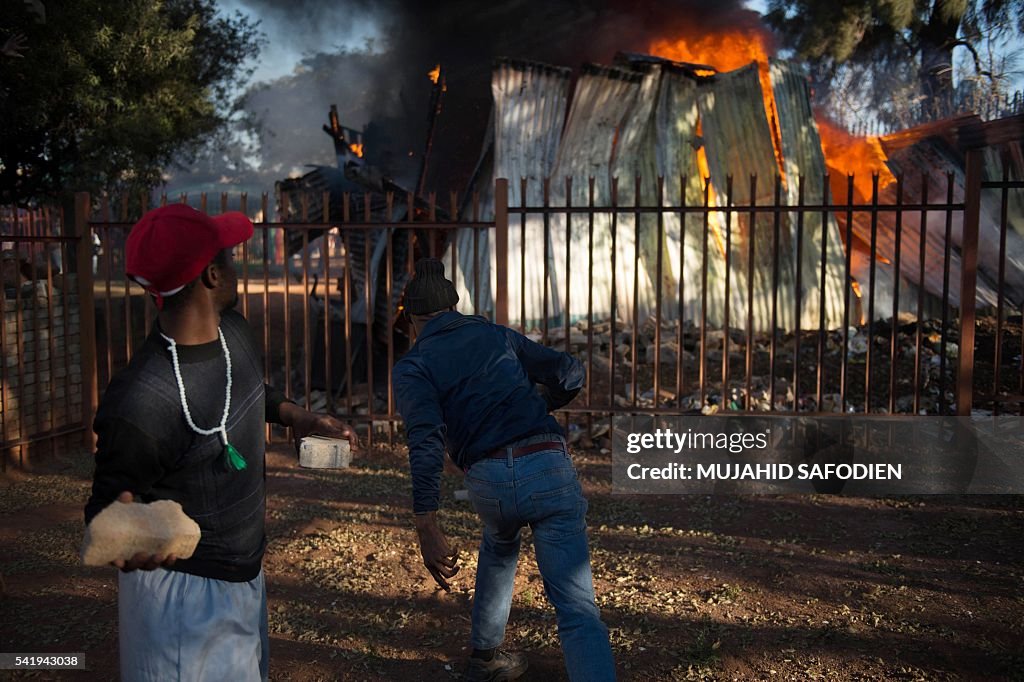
619 350
610 362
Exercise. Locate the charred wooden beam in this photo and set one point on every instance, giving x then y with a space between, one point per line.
436 97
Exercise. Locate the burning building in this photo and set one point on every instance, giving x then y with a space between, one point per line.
726 126
695 126
654 118
932 167
710 100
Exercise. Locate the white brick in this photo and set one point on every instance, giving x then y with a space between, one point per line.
316 452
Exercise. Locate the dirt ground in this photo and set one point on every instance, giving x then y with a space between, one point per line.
691 587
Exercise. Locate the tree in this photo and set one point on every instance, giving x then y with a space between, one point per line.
104 94
900 57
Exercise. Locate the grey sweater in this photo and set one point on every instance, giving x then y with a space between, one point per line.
146 447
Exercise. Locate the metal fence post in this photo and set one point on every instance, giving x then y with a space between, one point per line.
968 282
501 250
87 315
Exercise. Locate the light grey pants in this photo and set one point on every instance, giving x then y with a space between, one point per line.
180 627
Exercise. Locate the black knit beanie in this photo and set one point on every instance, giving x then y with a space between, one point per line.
428 291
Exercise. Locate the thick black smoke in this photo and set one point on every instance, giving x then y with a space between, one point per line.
388 89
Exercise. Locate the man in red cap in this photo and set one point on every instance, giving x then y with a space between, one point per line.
185 422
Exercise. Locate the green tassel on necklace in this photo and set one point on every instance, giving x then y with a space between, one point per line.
235 458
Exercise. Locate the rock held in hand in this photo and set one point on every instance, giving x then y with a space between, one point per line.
123 530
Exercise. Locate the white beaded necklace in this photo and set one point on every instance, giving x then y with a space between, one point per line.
235 459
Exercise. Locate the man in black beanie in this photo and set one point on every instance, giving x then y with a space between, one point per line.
484 393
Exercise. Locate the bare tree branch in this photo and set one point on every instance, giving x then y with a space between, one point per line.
977 59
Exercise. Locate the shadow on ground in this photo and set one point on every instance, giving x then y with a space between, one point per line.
692 587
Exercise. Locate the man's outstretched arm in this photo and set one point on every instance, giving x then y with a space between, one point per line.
280 410
129 462
417 402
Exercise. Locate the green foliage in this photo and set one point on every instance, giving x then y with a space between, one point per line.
105 94
898 57
843 31
837 31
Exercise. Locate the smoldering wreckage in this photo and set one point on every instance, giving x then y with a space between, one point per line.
816 303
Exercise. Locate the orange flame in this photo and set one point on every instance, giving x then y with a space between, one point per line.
726 52
434 74
844 153
705 179
861 156
357 149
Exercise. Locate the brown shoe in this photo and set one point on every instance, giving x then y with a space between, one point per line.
504 666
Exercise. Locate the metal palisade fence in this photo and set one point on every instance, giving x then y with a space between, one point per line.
47 382
909 302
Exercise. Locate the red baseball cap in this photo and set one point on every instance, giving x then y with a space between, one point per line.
170 246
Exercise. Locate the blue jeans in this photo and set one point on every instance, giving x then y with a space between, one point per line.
539 489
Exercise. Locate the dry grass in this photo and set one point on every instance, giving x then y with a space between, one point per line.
692 588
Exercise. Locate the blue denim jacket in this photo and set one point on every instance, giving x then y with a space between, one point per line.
472 386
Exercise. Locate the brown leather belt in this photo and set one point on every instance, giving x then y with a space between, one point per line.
502 453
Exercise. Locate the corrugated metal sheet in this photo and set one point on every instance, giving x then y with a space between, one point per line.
923 156
475 247
1012 157
603 100
644 120
932 158
738 142
802 156
633 157
676 142
530 100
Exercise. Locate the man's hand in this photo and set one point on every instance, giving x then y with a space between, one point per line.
141 561
440 559
305 423
14 45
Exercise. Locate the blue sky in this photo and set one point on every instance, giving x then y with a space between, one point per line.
288 43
